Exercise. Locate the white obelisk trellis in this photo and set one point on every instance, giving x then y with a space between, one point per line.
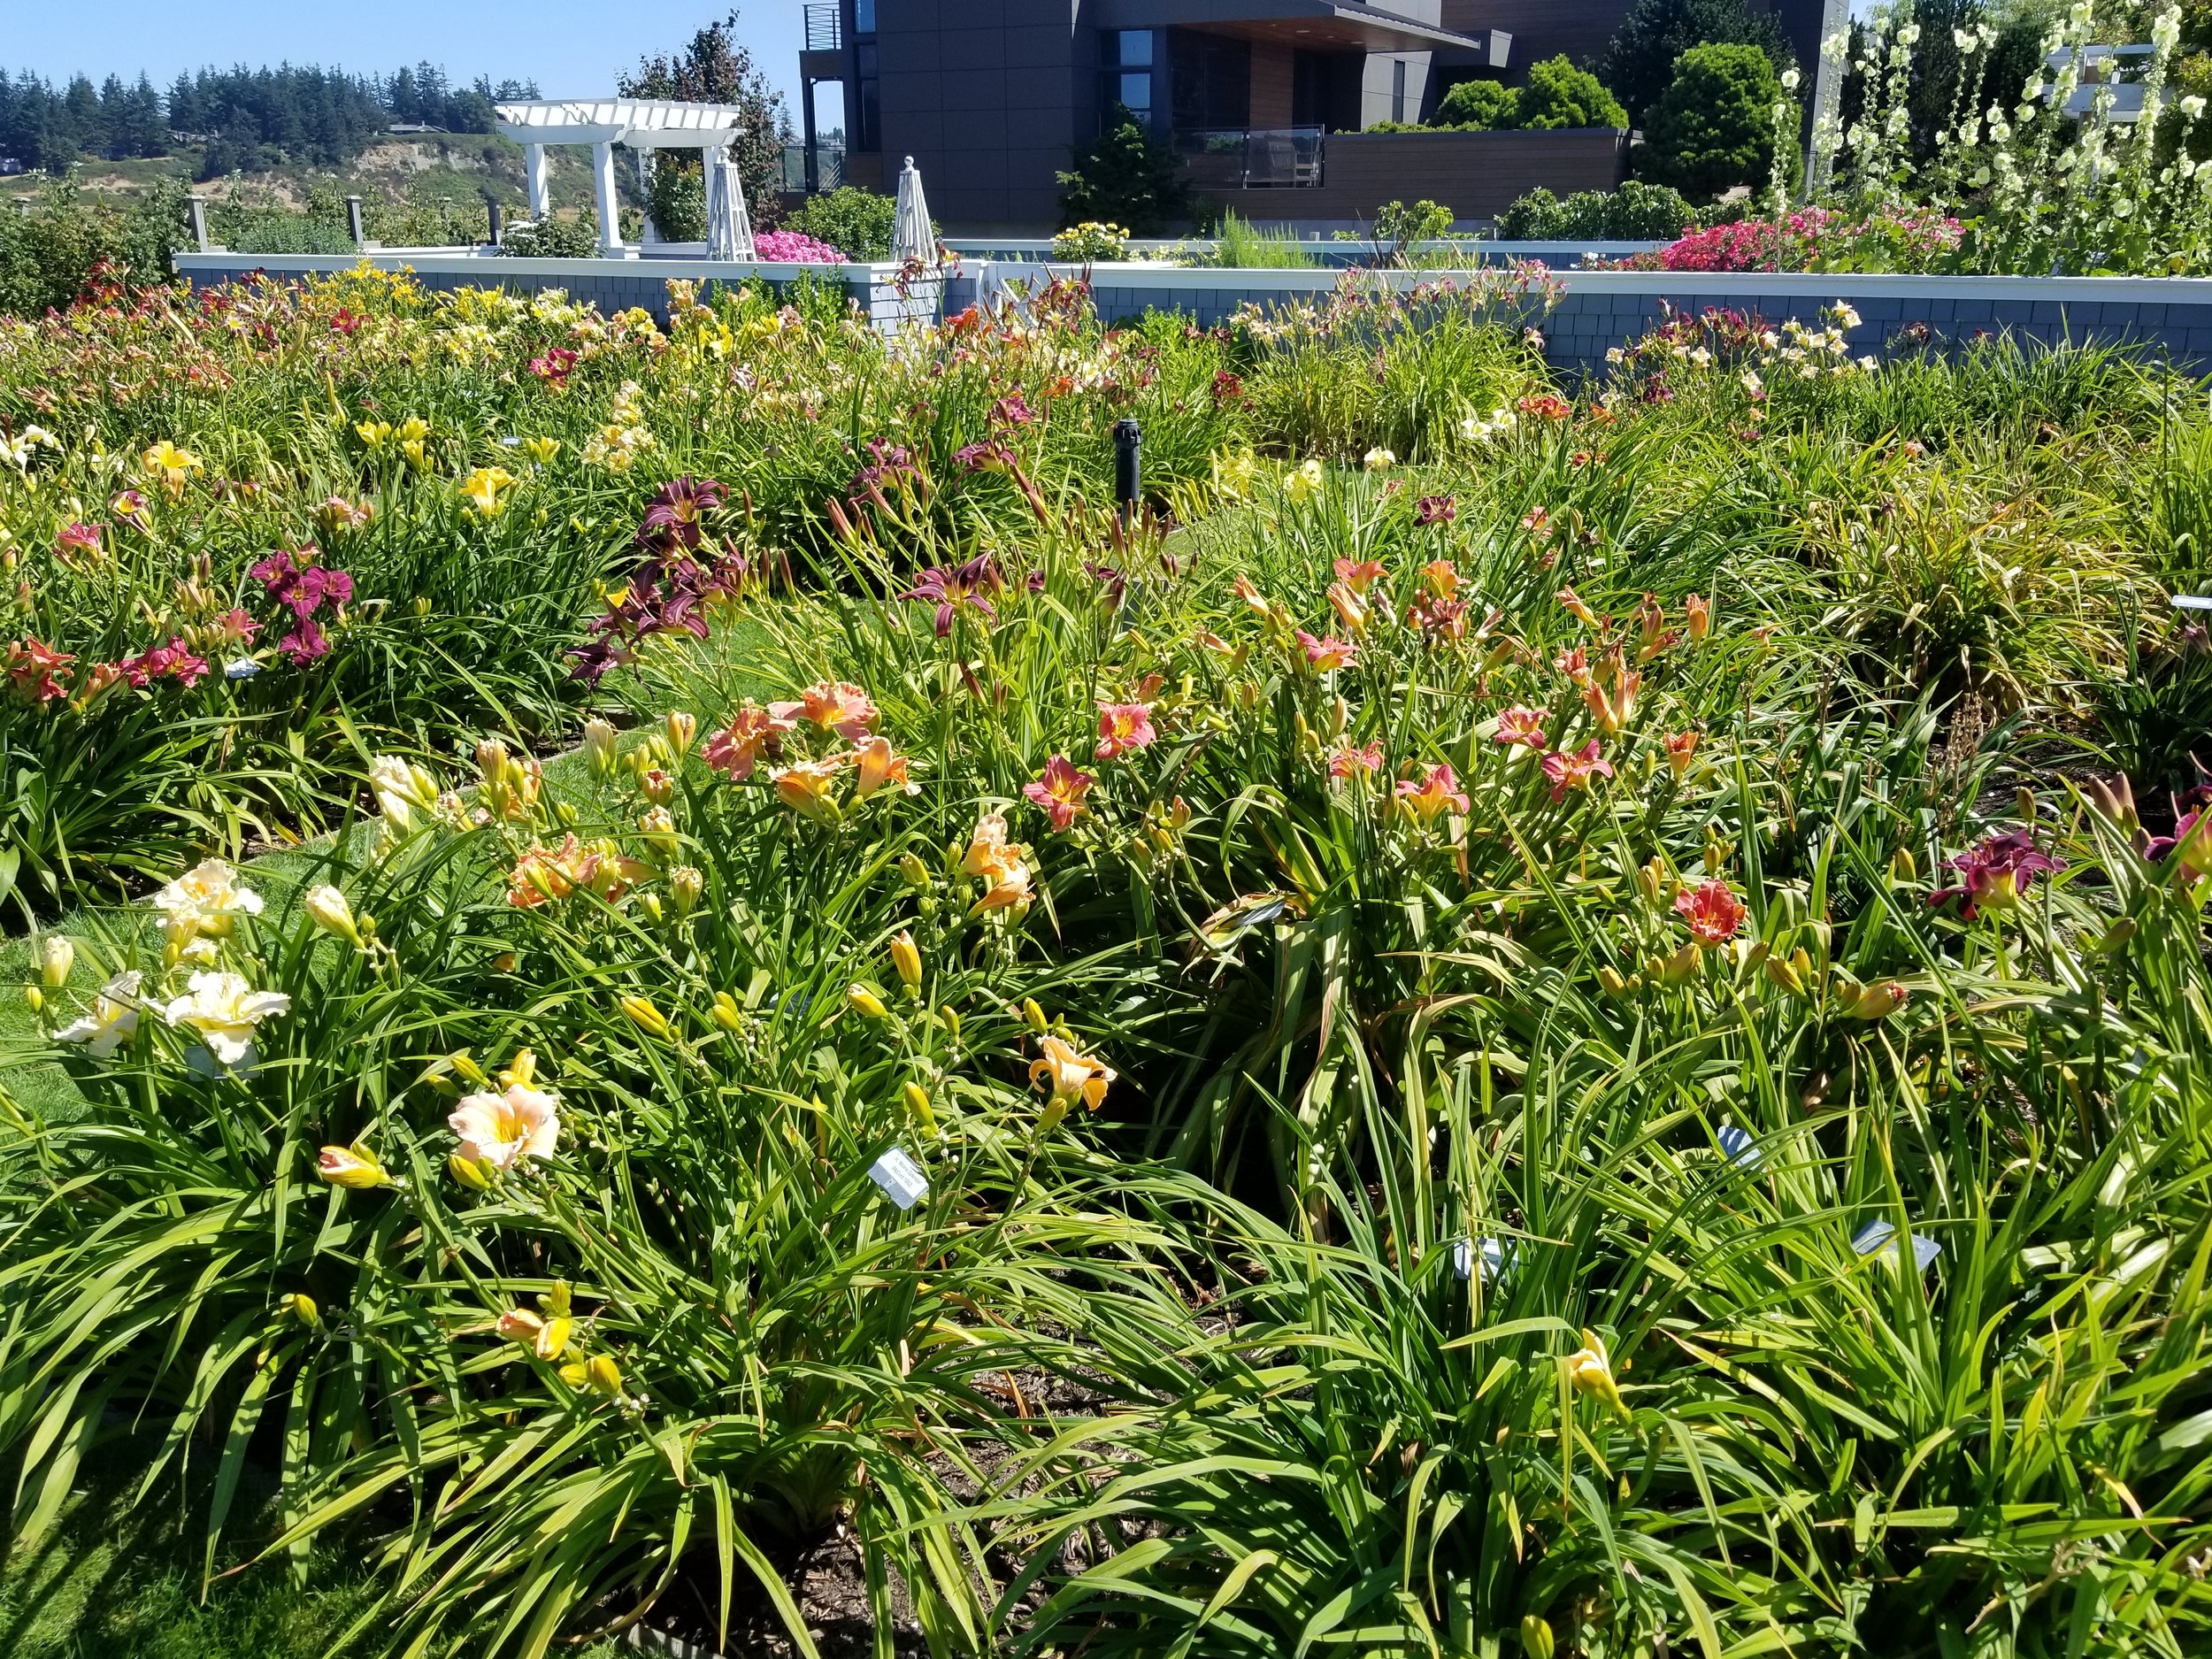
911 236
729 221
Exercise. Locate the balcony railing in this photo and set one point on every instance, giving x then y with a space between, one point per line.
829 167
1283 157
825 30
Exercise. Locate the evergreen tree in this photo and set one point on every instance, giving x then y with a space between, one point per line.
1639 62
1129 177
1714 128
1559 96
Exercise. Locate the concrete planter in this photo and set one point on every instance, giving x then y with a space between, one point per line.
2169 315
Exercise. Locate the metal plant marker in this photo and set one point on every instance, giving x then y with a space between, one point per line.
900 1178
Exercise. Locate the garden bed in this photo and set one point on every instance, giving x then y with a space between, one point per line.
1514 1011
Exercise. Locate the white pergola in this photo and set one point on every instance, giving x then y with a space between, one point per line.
640 123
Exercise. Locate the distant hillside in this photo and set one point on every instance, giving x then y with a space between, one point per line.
234 120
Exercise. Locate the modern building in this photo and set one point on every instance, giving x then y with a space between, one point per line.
1267 99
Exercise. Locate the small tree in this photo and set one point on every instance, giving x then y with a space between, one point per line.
858 222
1129 177
1481 107
1639 61
1714 128
1560 95
715 68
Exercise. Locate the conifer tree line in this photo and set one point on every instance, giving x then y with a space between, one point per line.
248 118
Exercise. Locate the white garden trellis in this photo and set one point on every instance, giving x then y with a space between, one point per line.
644 124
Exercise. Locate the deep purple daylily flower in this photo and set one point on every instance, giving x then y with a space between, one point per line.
1435 510
950 586
2195 848
675 517
1997 874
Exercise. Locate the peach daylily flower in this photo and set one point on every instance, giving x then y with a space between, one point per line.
502 1130
1681 750
737 747
1347 760
1324 654
1359 574
1071 1076
879 766
992 859
835 706
809 788
1350 609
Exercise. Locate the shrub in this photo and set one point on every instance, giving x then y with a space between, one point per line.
859 221
1640 60
1478 106
1131 176
551 238
1714 126
47 257
791 247
1636 211
1238 245
1090 242
1558 96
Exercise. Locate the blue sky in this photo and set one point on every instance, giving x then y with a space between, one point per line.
569 47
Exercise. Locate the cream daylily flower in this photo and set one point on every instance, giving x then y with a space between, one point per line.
1072 1077
206 899
225 1009
401 786
1592 1373
113 1020
502 1130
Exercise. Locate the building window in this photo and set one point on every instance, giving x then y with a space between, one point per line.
1126 74
863 17
1398 89
1212 78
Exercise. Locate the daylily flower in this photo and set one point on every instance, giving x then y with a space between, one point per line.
170 465
809 788
486 489
1060 791
737 747
906 961
332 913
1438 789
1996 875
1712 910
1324 654
1123 727
1347 760
991 858
950 586
35 670
205 899
1592 1373
1614 711
1305 482
401 786
546 1338
1574 772
129 506
675 517
1526 727
1440 577
79 541
501 1130
1378 460
877 766
1072 1077
835 706
225 1009
355 1168
1358 574
1350 609
2192 839
1576 607
113 1020
1432 509
1681 750
543 874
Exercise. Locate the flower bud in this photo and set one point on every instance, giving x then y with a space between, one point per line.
355 1168
864 1001
907 961
57 957
603 1376
657 786
918 1106
599 746
914 870
682 728
686 882
491 759
644 1015
1033 1014
34 998
727 1014
468 1172
1613 982
949 1017
1536 1638
301 1307
332 913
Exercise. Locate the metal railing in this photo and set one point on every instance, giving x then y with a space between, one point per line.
829 167
1258 159
825 28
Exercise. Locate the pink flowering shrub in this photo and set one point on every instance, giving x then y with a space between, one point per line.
1816 239
793 247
